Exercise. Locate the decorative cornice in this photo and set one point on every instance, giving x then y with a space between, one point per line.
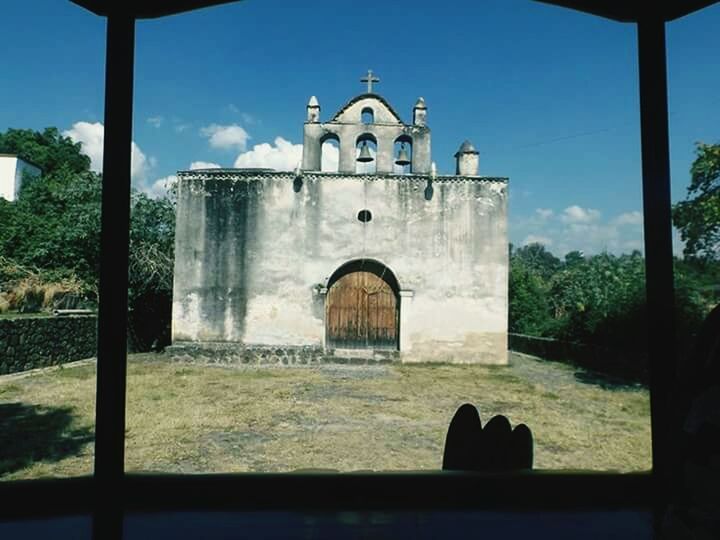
265 174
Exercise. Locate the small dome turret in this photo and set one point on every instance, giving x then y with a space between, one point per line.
466 148
313 110
467 160
420 113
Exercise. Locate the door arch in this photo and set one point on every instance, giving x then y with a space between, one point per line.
362 307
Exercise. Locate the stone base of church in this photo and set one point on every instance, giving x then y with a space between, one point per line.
278 355
227 353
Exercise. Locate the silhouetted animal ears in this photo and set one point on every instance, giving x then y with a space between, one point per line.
521 448
462 443
497 437
497 447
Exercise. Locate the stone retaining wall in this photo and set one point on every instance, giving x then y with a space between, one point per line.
630 365
234 353
33 342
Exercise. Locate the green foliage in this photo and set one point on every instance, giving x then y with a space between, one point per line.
48 149
150 275
600 300
528 304
698 217
54 226
537 259
152 237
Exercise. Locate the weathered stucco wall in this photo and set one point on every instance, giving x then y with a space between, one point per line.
254 251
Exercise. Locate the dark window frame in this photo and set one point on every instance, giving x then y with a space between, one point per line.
439 490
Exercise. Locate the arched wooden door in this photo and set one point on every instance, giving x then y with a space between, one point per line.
361 313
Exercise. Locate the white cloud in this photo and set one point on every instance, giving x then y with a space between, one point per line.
160 187
283 156
678 243
232 137
582 229
203 165
181 127
249 119
91 137
330 157
577 214
155 121
629 218
535 239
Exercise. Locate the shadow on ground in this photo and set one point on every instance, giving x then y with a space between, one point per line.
606 382
32 433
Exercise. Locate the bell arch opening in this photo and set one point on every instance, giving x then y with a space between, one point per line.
366 154
329 153
402 155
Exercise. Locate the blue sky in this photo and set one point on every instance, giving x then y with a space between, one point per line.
548 96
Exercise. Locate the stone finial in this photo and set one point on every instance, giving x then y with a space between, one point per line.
313 110
420 113
467 160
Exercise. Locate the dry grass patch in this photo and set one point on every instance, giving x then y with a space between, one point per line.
185 418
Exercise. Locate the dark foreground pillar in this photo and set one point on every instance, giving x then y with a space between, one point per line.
114 239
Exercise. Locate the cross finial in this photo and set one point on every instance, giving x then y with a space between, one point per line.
370 79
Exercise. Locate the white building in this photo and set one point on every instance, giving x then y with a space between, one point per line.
319 265
12 170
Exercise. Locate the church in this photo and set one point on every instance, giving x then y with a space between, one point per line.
382 259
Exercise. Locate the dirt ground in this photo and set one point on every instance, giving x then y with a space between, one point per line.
185 418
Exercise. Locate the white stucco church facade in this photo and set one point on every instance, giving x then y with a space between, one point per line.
383 259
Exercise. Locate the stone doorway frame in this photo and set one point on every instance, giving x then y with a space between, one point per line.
404 300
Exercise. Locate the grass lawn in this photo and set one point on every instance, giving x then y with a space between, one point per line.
185 418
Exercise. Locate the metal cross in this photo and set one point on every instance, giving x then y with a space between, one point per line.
369 79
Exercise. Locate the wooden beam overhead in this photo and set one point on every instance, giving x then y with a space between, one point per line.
146 9
625 11
634 10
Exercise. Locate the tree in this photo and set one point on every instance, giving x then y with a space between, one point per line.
698 217
55 223
538 259
150 273
528 305
54 227
600 299
48 149
574 258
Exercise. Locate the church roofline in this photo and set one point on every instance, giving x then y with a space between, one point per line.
366 96
260 174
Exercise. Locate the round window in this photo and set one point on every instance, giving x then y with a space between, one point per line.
364 216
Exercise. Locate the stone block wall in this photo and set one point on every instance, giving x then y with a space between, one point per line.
33 342
626 365
235 353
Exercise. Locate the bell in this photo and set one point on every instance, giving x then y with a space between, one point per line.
365 156
402 158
